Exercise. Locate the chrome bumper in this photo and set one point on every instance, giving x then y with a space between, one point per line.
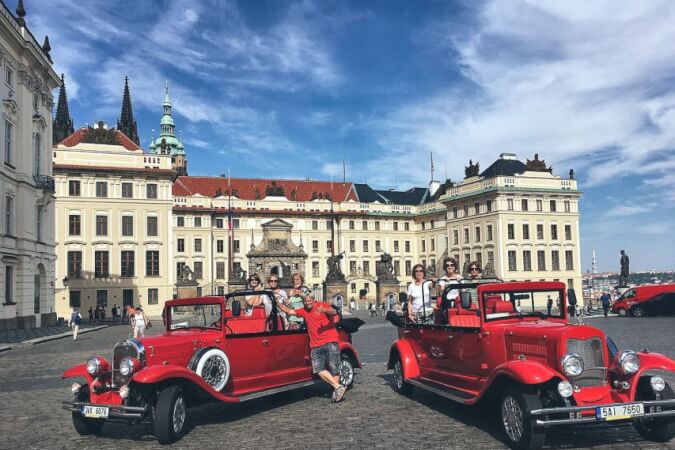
114 411
568 415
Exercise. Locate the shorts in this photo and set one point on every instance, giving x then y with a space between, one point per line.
326 356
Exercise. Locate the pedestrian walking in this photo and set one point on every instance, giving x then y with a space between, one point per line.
97 314
75 321
113 311
549 304
91 315
604 298
130 314
352 304
102 313
140 322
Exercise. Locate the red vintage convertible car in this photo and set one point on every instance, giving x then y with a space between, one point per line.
509 345
210 350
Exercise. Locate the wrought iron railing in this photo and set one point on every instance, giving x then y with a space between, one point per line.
44 182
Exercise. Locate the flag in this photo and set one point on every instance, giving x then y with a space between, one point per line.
229 219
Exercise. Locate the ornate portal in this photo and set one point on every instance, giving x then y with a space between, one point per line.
276 253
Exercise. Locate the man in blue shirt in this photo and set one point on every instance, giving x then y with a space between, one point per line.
604 299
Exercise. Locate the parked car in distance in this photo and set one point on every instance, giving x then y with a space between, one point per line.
659 305
634 296
210 350
502 344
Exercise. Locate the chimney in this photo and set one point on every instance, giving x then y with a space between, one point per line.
509 156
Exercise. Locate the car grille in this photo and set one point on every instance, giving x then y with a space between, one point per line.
591 351
122 350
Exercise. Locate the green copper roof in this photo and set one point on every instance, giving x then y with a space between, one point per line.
166 120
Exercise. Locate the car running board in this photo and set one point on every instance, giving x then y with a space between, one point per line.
277 390
439 389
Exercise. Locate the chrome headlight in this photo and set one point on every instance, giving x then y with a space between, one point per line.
128 366
572 365
94 366
629 362
658 384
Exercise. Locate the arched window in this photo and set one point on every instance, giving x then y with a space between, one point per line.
37 153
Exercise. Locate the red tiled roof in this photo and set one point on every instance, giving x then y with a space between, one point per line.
78 135
264 212
244 188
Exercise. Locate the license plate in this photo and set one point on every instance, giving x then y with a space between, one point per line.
619 412
95 412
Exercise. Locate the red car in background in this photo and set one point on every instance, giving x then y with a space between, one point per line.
504 345
630 302
210 350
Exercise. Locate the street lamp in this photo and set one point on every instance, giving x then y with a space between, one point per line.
65 281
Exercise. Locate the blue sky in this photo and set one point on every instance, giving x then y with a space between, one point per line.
287 89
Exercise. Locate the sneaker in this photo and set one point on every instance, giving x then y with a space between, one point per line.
340 393
332 399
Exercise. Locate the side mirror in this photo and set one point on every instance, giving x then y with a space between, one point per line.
465 298
236 308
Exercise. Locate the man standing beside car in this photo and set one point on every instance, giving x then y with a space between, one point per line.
323 341
604 298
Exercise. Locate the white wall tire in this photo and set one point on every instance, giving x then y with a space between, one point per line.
214 367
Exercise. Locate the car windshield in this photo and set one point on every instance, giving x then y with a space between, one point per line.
196 316
537 303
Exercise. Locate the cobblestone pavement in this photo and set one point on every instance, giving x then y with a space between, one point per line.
18 336
372 415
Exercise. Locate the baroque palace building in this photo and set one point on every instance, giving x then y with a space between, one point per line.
517 219
27 251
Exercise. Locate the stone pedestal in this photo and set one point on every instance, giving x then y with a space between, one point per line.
185 290
332 289
385 288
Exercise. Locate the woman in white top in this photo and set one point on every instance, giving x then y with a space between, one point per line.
451 277
420 306
279 294
140 322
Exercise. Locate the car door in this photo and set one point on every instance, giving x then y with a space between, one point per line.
290 357
433 339
249 352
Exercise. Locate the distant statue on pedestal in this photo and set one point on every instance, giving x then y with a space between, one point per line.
625 262
334 272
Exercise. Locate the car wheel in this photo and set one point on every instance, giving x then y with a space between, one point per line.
170 415
637 312
518 425
660 429
213 366
346 371
622 312
84 425
399 379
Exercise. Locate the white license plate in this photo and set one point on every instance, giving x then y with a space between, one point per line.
620 412
96 412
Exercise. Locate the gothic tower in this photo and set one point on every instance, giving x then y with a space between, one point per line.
167 143
63 124
126 123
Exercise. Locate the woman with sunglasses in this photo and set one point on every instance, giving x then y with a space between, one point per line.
451 277
420 308
279 295
474 270
253 300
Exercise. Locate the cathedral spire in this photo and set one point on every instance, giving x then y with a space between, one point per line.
126 123
63 123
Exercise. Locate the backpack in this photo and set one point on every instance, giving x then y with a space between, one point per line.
77 319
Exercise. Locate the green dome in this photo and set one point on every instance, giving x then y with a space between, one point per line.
166 120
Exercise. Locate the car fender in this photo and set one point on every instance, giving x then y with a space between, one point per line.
410 367
79 370
346 347
649 362
164 373
525 372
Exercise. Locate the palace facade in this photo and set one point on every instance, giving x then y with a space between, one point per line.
515 218
26 185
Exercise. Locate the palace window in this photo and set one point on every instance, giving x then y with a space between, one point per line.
407 246
395 226
180 244
315 269
569 260
378 246
101 264
567 206
365 246
489 233
74 188
101 189
219 223
455 237
406 226
180 221
432 244
352 245
396 249
220 270
541 260
408 267
315 224
127 190
554 232
152 263
199 270
235 246
151 190
9 215
511 231
477 233
476 208
568 232
220 247
9 130
523 204
466 235
540 205
454 212
198 245
540 231
351 224
424 245
127 263
364 225
151 225
527 260
127 225
555 260
526 231
73 225
377 225
553 206
488 205
509 204
366 266
315 246
74 264
101 225
512 261
153 296
198 222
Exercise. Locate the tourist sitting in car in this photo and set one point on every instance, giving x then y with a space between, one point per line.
295 299
420 307
253 300
474 270
280 296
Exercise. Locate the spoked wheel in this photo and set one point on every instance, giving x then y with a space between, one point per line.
213 366
659 429
346 371
637 312
622 312
170 415
399 379
516 421
84 425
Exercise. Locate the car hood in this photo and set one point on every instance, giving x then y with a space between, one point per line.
175 347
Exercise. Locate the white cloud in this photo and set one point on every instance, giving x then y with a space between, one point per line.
583 87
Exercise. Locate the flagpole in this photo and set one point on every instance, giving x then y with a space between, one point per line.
332 220
230 242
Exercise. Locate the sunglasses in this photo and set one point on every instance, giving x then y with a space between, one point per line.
272 281
474 268
419 271
449 266
253 279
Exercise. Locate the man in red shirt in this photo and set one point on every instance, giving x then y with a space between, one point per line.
320 318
